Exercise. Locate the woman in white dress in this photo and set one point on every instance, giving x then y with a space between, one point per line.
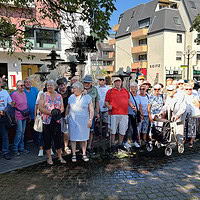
80 113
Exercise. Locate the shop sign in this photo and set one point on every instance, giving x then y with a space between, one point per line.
155 66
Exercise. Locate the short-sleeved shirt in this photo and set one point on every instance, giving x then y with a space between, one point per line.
4 99
144 104
102 95
31 99
138 102
50 105
20 103
156 103
118 99
94 95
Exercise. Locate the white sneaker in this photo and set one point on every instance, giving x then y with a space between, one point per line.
136 145
127 145
52 153
40 154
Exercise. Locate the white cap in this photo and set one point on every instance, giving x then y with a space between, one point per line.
181 81
171 87
157 86
116 79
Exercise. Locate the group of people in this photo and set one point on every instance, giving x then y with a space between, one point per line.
69 113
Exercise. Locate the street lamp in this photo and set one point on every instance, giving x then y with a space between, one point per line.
188 54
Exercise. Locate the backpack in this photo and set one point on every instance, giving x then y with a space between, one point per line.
9 113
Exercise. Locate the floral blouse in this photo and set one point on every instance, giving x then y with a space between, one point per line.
50 105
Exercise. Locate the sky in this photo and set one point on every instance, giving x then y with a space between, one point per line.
122 6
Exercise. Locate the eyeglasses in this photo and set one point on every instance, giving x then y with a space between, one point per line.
21 85
101 80
157 89
188 89
142 89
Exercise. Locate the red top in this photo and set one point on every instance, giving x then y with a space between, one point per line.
118 99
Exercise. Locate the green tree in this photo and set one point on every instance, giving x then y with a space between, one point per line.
196 26
30 14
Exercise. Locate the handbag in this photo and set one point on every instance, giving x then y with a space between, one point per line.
195 111
38 124
138 114
25 112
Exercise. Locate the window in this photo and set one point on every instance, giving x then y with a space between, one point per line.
143 42
105 53
179 38
6 43
120 19
198 56
178 55
43 38
177 21
144 23
143 57
192 4
127 29
133 14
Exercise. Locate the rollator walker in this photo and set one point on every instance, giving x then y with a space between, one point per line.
163 134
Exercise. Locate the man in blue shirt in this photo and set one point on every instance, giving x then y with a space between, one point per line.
31 95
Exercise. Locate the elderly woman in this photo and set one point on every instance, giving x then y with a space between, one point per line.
51 106
190 122
80 113
133 119
21 115
155 102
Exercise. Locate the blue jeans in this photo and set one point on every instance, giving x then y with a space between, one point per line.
4 135
19 137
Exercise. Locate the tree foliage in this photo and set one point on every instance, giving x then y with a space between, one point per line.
17 15
196 26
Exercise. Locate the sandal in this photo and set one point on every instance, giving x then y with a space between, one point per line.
85 158
67 150
49 161
62 161
74 158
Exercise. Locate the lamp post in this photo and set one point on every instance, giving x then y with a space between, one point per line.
188 54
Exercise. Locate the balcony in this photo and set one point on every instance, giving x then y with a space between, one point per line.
139 49
111 55
110 68
112 42
140 33
139 64
116 27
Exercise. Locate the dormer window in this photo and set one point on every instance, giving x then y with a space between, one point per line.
192 4
144 23
177 21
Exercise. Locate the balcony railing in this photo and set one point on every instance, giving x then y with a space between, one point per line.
111 54
139 33
116 27
139 64
112 42
139 49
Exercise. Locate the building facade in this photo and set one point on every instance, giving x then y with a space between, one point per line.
154 38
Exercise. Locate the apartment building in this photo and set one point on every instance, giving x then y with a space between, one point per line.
104 57
154 37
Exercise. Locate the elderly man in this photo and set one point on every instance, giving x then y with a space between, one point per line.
65 92
102 90
92 91
175 108
4 100
31 95
117 100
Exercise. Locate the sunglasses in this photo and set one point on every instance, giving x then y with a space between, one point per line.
143 89
101 80
21 85
157 89
188 89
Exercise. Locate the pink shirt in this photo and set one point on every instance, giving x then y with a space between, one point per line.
20 103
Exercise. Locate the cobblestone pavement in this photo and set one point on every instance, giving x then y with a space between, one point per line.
141 176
